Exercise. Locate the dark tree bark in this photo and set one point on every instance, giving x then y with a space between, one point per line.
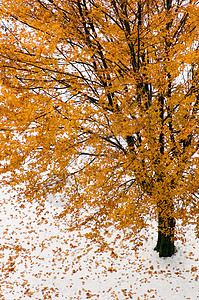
165 244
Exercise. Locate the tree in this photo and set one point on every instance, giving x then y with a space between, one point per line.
99 101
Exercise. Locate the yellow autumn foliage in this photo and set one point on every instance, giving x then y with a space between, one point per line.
99 101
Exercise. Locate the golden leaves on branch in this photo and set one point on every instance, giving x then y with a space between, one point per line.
99 101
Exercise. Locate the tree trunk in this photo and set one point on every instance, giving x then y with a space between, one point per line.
165 244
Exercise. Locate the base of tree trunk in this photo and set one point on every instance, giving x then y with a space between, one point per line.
165 244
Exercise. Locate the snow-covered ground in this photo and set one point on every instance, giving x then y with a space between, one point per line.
40 259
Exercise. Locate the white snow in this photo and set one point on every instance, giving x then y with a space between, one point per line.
41 259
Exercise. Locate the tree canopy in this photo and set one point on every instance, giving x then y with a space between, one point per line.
99 102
